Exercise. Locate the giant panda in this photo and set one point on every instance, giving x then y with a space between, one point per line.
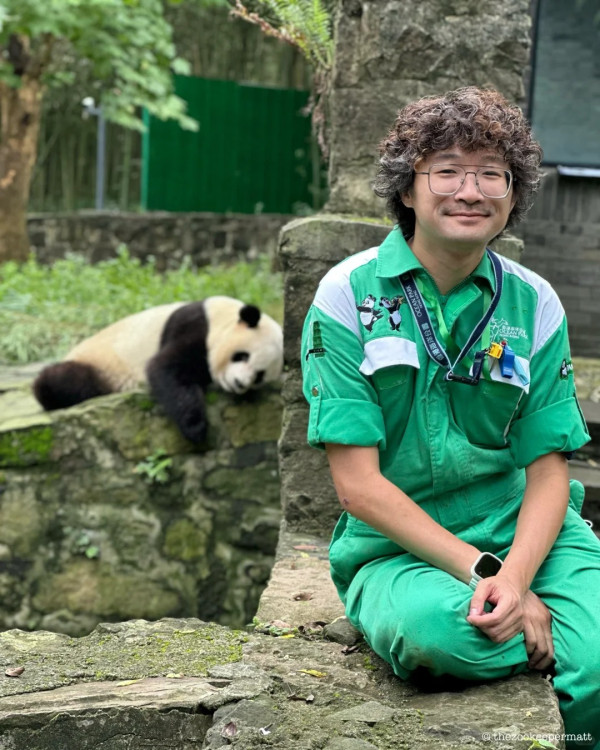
177 349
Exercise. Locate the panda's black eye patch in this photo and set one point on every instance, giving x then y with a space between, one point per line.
240 357
259 377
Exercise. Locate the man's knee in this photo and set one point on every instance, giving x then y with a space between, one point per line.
433 633
423 632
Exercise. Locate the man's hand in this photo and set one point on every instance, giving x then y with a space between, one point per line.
537 622
506 619
514 614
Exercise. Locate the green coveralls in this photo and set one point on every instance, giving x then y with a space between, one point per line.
460 452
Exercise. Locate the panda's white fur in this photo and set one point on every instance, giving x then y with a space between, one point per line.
122 350
178 349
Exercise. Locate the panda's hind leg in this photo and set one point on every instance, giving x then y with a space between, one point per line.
68 383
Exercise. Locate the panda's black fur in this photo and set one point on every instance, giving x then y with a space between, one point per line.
68 383
179 350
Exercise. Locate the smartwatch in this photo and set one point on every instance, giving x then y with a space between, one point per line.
486 566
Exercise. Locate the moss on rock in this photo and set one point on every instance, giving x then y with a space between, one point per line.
21 523
186 541
255 421
258 483
92 587
25 447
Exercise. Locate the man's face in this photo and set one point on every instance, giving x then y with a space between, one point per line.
467 220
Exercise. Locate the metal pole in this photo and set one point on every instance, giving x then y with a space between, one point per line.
100 159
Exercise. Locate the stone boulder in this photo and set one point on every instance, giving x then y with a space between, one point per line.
108 513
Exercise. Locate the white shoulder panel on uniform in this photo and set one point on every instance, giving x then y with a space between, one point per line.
335 296
549 312
388 351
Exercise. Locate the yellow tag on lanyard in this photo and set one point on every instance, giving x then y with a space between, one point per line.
495 350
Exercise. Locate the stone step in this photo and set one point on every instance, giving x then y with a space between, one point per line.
589 476
586 467
591 412
187 684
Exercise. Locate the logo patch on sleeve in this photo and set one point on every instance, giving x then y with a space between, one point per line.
566 369
318 349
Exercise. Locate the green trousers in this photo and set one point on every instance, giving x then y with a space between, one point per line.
413 615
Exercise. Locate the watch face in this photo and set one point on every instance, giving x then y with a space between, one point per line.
487 566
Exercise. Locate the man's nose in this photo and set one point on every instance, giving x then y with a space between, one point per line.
469 191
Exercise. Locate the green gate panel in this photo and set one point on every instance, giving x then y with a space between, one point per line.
252 153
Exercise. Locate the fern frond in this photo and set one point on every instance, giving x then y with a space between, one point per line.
304 23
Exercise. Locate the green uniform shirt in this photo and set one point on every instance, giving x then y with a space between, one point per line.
370 382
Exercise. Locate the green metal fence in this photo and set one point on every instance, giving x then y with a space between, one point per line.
253 152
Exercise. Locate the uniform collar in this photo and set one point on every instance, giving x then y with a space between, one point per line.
395 258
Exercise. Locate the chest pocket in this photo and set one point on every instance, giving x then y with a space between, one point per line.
392 363
485 412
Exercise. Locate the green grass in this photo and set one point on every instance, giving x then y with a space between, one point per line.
45 310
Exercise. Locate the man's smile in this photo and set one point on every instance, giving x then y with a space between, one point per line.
467 213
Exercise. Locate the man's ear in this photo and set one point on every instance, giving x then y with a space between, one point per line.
406 198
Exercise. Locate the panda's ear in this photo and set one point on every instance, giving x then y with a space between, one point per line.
250 314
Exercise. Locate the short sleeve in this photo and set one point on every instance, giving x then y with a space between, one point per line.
550 420
343 402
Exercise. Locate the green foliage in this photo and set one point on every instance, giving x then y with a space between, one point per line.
82 544
306 24
538 744
155 467
127 44
46 310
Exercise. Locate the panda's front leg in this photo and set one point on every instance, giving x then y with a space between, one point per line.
175 384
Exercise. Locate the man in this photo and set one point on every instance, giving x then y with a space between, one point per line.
448 426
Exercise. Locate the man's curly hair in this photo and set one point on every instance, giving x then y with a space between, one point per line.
470 118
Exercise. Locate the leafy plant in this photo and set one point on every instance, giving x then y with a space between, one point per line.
537 744
155 467
82 544
306 24
128 48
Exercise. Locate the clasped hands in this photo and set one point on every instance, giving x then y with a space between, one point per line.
513 613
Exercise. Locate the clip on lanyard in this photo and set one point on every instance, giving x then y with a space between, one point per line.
435 350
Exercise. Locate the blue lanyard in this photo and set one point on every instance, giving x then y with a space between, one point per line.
434 349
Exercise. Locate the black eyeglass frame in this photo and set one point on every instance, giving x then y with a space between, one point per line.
470 171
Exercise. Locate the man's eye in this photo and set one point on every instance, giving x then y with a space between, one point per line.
448 171
493 174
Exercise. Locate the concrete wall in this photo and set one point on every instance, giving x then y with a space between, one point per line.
562 244
204 238
389 52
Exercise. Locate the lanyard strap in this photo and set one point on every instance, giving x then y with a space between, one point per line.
434 349
431 299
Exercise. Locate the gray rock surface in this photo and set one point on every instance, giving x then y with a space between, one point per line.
187 684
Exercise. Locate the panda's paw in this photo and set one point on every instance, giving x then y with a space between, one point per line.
195 432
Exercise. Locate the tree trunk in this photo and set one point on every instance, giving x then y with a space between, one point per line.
20 111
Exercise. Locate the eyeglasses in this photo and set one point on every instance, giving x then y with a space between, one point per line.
447 179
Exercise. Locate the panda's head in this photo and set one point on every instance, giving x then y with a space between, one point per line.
245 346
